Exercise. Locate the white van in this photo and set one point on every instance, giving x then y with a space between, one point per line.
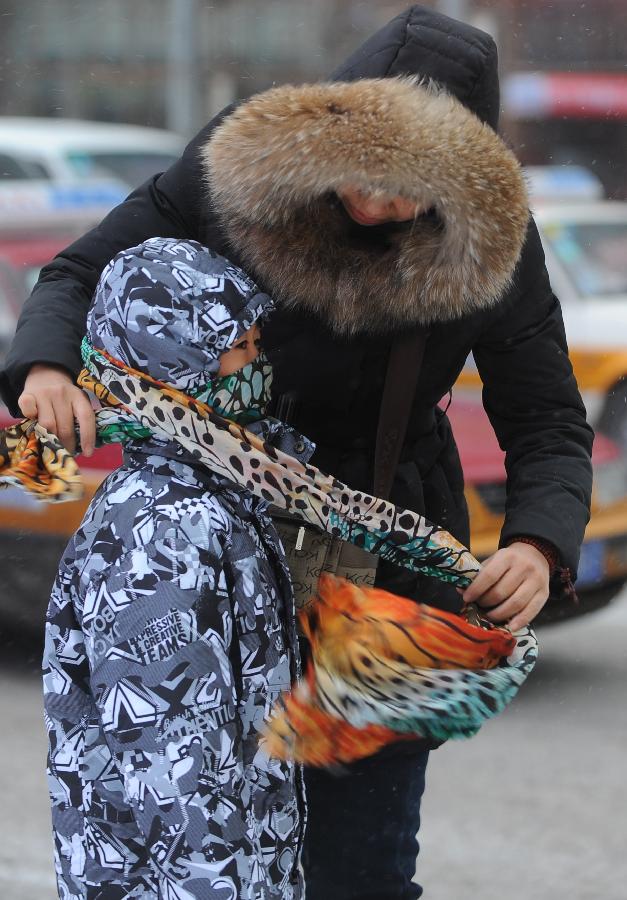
66 150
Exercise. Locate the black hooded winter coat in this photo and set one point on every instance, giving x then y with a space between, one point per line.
335 380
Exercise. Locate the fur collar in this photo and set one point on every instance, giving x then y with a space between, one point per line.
274 164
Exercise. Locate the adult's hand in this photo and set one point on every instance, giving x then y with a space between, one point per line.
512 586
51 397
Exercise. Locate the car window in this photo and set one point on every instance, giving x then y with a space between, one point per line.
594 255
12 169
132 167
38 170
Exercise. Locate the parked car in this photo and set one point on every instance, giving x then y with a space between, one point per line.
586 254
13 291
65 150
603 563
33 534
22 258
37 221
585 243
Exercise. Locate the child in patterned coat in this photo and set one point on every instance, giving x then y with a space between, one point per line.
170 627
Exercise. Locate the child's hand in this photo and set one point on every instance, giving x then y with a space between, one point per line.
513 585
51 397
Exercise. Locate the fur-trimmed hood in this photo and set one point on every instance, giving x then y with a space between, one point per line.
275 164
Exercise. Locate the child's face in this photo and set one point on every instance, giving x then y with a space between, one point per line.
241 353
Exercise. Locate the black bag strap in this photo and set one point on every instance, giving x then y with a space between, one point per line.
404 364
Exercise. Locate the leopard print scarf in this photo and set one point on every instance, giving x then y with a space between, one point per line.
227 448
383 668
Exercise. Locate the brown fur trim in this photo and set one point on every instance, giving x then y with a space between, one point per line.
275 162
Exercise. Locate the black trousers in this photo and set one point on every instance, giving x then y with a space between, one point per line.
361 838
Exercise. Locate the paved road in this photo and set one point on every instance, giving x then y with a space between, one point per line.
533 807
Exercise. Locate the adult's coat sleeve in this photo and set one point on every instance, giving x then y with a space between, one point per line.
532 399
52 323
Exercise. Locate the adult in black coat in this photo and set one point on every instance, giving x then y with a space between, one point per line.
333 370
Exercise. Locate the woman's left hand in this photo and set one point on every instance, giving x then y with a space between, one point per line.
513 585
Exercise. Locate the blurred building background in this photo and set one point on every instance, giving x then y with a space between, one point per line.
176 62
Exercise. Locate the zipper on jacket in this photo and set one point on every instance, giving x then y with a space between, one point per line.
301 803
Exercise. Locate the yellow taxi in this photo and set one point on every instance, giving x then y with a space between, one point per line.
585 243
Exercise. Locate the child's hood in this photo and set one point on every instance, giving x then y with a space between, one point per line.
170 308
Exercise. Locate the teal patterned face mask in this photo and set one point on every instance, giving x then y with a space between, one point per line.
243 396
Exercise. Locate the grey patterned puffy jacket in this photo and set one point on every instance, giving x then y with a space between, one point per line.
170 631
